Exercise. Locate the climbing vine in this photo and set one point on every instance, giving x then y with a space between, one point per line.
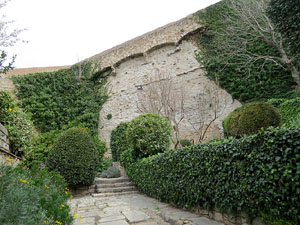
245 83
65 98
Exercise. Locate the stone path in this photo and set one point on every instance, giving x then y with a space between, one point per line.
132 209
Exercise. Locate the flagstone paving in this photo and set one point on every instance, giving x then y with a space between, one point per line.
132 209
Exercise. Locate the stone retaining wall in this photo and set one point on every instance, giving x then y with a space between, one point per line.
6 157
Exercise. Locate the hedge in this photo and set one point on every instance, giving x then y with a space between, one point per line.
258 175
75 157
250 118
118 140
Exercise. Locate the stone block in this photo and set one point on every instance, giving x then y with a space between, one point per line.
111 218
135 216
118 222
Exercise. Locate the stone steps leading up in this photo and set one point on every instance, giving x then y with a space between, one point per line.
113 186
99 195
118 189
111 180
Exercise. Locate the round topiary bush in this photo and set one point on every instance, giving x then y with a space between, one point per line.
149 134
75 157
118 140
250 118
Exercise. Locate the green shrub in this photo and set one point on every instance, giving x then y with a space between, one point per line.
250 118
17 123
288 109
149 134
104 164
32 197
100 147
75 157
41 146
118 140
253 174
185 143
43 143
111 172
58 98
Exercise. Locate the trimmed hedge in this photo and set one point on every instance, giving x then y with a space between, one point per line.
149 134
75 157
118 140
258 175
250 118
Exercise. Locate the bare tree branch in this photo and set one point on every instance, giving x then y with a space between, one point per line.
248 23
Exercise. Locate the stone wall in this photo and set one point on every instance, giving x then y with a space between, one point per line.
160 59
177 68
171 33
6 157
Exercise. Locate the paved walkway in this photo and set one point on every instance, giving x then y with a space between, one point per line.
133 209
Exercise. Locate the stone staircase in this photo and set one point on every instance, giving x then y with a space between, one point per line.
105 187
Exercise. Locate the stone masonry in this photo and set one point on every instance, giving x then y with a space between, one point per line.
165 55
168 55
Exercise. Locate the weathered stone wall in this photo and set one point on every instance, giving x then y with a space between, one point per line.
179 68
166 54
5 155
171 33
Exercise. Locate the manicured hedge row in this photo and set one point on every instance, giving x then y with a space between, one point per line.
257 175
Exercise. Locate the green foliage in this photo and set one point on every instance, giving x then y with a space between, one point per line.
149 134
3 66
245 83
41 146
118 140
75 157
108 116
185 143
295 122
100 146
254 174
17 123
69 97
286 16
32 197
104 164
111 172
250 118
289 109
270 220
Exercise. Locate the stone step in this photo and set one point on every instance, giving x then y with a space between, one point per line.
111 180
123 184
116 189
99 195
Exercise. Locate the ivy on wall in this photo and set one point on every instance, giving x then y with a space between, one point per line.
249 83
68 97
